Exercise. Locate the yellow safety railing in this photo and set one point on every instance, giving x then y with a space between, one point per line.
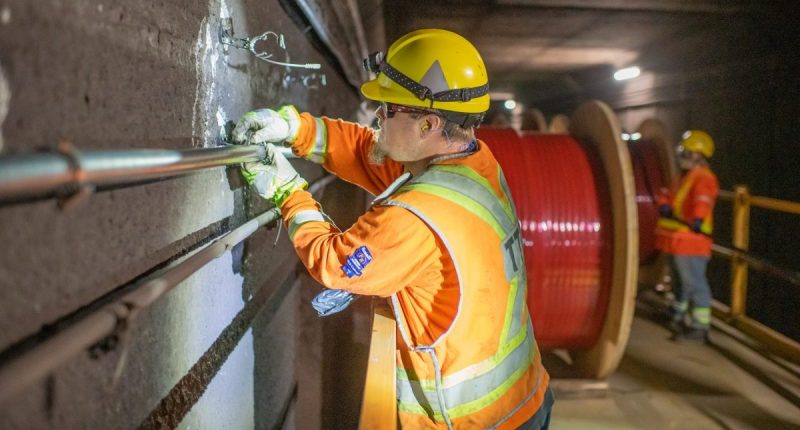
742 262
379 404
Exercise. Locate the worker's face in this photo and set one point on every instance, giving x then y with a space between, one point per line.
688 159
401 134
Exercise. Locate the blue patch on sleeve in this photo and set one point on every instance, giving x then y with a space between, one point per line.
356 263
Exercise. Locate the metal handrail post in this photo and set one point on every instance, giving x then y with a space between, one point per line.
741 241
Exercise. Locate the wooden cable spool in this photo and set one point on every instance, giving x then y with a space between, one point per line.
575 200
654 167
532 119
559 124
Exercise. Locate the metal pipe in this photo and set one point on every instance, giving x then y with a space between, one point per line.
34 364
37 174
761 265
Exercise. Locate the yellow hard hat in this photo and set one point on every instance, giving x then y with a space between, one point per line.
434 69
698 141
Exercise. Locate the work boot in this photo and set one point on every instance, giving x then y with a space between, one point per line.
694 334
676 326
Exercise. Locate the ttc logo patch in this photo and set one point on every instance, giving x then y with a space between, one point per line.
356 262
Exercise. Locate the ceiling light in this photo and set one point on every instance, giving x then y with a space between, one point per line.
510 104
627 73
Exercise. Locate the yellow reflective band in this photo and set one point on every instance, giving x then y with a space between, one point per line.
468 376
467 203
702 315
320 149
474 176
482 394
510 300
460 180
506 190
680 197
672 225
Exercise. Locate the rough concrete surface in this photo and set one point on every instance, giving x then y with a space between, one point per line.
152 74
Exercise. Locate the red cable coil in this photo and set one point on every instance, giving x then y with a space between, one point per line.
648 175
561 195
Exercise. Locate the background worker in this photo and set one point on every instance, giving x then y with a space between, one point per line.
684 232
441 240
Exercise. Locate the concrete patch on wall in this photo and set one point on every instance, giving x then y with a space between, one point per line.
206 63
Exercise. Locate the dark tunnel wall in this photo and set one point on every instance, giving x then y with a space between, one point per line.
152 74
745 96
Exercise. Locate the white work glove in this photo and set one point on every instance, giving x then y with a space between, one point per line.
267 126
274 178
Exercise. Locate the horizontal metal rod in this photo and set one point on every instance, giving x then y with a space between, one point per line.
765 202
775 204
33 365
759 264
775 342
37 174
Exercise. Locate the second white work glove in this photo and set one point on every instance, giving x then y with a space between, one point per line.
274 178
267 126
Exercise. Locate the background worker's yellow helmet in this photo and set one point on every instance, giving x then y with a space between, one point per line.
698 141
433 69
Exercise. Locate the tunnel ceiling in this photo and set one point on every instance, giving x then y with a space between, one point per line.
552 47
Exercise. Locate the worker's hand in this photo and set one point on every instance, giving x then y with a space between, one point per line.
274 178
665 211
696 225
267 126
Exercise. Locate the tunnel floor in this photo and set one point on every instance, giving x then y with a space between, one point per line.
662 384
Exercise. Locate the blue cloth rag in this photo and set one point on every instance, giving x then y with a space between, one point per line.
330 302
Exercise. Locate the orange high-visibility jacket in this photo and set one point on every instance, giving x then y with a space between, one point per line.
445 247
694 198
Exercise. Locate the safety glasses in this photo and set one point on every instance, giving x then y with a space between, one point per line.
388 110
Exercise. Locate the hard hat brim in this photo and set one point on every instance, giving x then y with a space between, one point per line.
373 90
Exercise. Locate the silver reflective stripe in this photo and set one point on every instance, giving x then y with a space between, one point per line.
320 149
437 369
546 403
392 188
505 188
303 217
476 387
401 323
471 189
520 303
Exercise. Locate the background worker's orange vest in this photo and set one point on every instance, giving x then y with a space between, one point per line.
485 370
694 199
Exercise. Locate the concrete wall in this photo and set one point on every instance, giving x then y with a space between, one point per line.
220 350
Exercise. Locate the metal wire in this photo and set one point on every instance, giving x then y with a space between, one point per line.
226 38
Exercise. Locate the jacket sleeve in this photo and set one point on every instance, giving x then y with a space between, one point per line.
664 197
400 247
343 149
704 195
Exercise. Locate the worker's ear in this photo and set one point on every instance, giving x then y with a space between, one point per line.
430 123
